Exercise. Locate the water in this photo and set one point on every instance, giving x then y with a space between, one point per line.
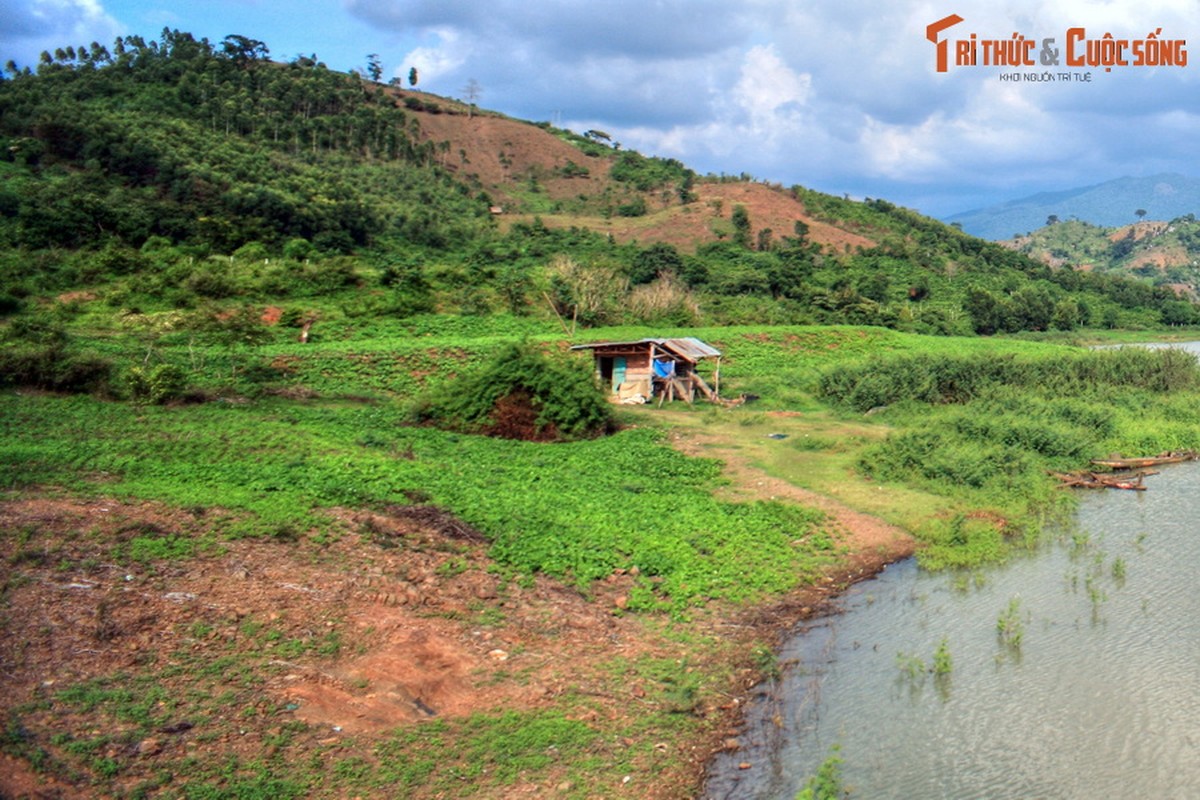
1100 699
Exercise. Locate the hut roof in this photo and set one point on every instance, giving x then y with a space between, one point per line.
687 347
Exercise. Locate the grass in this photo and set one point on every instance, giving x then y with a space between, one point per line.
304 431
582 510
1010 626
578 511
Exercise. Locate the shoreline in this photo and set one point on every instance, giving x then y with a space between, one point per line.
779 620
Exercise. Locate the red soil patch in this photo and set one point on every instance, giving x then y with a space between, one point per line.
500 152
499 149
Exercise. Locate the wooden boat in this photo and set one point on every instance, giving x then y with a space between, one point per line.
1147 461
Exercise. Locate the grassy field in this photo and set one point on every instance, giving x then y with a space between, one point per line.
307 447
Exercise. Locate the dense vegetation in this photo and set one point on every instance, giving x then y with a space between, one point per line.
521 393
1161 253
239 286
993 425
170 173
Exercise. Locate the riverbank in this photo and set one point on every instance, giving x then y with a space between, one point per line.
1058 674
126 673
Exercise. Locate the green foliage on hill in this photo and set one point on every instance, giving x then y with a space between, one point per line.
216 147
176 173
1159 253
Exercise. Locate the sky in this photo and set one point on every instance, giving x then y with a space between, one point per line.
843 97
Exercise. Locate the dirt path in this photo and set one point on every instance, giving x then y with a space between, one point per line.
871 542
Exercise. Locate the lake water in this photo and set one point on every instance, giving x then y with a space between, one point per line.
1100 697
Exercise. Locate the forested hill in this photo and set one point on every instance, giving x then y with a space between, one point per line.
176 174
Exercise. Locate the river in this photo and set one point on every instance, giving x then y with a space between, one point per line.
1094 692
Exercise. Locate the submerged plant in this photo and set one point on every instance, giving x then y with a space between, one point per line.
943 664
827 783
1118 569
909 665
1009 626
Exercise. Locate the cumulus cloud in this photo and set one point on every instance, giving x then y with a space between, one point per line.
29 26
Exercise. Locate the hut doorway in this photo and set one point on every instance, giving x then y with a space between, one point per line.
612 370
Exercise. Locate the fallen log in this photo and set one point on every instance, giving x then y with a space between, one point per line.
1100 480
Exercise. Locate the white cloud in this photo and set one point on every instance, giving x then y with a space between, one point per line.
437 62
30 26
769 90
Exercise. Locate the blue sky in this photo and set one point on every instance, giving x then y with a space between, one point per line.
842 97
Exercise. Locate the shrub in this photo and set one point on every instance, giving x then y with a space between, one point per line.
38 352
947 378
160 384
520 394
55 369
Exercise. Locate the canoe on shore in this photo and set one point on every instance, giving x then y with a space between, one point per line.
1146 461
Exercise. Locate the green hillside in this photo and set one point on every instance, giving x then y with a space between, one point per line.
1161 253
176 173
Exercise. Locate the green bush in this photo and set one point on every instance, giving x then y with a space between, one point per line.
520 394
159 384
952 378
38 352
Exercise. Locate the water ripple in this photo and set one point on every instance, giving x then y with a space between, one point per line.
1102 698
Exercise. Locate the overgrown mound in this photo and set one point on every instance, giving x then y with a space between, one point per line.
520 393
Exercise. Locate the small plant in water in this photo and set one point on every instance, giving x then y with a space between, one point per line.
909 665
1080 541
1118 569
827 783
942 662
1009 626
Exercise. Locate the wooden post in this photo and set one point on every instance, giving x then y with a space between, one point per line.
561 321
699 383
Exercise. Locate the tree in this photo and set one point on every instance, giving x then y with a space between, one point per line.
764 240
800 228
472 91
1067 315
244 50
235 331
374 67
655 260
412 76
1141 212
1178 312
985 310
1052 220
741 225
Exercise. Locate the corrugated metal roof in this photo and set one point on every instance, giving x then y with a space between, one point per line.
689 347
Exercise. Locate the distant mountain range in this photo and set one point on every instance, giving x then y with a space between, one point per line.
1110 204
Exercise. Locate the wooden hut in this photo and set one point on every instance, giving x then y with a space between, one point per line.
638 372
